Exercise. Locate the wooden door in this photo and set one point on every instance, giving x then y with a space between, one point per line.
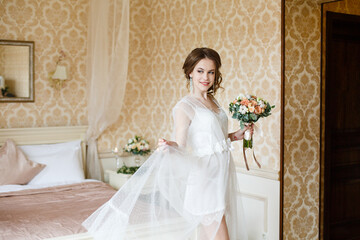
342 128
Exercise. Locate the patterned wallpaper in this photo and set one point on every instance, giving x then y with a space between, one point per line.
245 33
302 115
302 119
54 26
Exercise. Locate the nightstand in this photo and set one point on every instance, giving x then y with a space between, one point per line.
116 180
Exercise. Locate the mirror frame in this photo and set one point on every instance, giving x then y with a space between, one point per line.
31 46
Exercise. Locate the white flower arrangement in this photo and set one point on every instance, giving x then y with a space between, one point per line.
137 146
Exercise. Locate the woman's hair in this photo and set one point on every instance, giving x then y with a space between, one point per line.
198 54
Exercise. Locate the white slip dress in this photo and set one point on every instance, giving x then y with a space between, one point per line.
179 192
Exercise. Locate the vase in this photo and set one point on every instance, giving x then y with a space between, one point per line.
137 160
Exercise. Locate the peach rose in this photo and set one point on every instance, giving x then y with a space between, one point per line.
251 108
258 110
253 102
244 102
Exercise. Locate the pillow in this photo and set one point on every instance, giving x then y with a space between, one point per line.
15 168
63 162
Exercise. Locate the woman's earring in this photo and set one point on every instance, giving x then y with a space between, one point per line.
191 85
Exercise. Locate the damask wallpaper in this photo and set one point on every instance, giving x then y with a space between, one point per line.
54 26
302 114
302 119
245 33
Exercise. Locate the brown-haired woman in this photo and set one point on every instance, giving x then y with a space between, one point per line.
187 188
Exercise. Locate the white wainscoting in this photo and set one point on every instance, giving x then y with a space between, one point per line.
260 196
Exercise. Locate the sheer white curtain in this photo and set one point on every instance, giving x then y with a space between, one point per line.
107 68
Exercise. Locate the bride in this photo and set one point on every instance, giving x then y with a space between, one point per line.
187 188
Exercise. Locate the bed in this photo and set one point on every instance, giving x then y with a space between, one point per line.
54 202
57 199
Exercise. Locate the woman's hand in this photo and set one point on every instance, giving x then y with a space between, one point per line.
239 134
164 142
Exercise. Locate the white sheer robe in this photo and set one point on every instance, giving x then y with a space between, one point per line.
179 192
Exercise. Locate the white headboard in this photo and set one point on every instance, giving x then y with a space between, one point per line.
46 135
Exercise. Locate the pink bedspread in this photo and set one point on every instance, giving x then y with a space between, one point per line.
50 212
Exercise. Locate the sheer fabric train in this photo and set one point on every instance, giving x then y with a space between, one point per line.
179 192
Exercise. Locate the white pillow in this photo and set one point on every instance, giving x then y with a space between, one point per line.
63 162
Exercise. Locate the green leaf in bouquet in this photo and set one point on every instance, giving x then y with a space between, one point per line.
242 124
253 117
235 116
246 118
268 107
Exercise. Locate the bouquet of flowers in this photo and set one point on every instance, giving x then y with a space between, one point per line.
137 146
248 109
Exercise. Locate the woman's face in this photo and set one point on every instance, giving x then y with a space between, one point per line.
203 75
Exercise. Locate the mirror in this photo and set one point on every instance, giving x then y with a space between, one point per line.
16 71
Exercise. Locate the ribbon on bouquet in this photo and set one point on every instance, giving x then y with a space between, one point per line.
248 137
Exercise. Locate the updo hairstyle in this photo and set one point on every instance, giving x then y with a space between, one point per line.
194 57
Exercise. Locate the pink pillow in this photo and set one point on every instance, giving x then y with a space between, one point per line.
15 168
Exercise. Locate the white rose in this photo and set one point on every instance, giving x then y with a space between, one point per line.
243 109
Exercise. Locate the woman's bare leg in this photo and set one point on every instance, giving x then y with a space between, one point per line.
222 233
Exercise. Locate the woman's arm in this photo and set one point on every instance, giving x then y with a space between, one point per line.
239 134
181 122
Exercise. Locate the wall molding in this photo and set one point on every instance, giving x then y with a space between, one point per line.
260 198
263 173
261 203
